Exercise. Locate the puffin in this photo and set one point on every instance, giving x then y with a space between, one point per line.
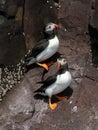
56 83
45 48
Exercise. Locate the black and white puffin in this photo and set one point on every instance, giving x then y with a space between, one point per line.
45 48
57 83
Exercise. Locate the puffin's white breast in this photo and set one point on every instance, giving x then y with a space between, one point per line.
50 50
62 82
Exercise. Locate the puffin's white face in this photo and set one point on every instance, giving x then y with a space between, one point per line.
62 61
50 27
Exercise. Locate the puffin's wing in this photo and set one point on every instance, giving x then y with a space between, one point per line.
39 47
50 80
46 83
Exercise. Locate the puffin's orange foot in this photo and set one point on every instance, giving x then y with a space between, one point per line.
52 105
50 63
45 66
61 98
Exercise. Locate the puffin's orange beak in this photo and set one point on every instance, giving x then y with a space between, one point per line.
59 65
58 25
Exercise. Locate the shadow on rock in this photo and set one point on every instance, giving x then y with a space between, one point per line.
41 97
52 60
67 93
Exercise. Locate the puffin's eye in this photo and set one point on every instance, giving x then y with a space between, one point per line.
64 60
49 27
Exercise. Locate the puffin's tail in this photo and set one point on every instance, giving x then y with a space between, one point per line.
30 61
40 90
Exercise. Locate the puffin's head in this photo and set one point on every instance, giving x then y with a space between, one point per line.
50 27
61 62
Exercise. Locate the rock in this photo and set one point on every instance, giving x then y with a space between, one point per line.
12 39
11 7
94 17
36 15
93 31
19 15
2 5
21 109
0 74
10 44
12 82
2 20
76 14
11 10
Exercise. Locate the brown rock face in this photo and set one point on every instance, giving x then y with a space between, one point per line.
21 109
94 14
12 41
93 30
36 15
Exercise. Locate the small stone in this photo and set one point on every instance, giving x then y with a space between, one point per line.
19 64
21 73
9 81
0 70
70 102
51 7
12 82
5 69
0 99
56 4
4 92
47 1
74 109
23 33
7 86
8 77
15 78
23 62
15 81
65 29
10 86
18 82
19 77
3 79
29 51
2 19
59 6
